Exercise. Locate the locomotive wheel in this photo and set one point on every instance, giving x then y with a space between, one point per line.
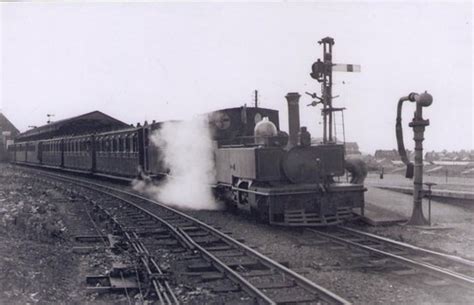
262 211
231 207
256 215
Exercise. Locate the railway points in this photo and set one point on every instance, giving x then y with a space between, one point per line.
263 279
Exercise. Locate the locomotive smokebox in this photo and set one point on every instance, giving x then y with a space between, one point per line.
293 99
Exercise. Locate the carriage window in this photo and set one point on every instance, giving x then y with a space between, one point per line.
127 143
135 143
145 140
120 144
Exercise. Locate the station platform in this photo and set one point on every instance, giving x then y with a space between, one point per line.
390 201
451 194
387 206
383 207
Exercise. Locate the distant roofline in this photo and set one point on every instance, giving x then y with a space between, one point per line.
15 130
54 126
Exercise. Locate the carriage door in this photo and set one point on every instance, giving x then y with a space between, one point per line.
62 147
40 152
146 142
143 148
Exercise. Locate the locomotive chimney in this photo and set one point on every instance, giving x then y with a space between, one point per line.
293 117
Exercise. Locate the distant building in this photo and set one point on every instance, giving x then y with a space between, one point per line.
7 132
390 155
463 155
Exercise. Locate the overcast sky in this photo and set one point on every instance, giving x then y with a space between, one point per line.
170 61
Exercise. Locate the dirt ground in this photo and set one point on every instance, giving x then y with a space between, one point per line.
37 229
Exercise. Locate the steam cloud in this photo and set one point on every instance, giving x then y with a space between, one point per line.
186 149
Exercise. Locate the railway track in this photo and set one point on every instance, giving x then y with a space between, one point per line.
405 259
213 255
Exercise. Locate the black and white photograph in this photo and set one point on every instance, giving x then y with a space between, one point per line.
236 152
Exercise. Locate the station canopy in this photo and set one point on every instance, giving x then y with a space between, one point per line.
88 123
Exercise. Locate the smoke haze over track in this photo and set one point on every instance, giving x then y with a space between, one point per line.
187 151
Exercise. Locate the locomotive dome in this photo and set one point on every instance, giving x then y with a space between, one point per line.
265 128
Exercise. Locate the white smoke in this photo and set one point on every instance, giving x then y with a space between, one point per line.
186 149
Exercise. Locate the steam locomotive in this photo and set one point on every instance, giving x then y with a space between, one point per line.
281 178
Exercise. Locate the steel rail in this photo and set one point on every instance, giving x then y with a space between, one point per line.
411 247
140 249
322 292
191 244
163 297
319 291
185 240
464 280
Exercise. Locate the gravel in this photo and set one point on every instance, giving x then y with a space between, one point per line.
341 270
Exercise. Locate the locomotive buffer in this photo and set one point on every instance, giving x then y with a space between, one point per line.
322 72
